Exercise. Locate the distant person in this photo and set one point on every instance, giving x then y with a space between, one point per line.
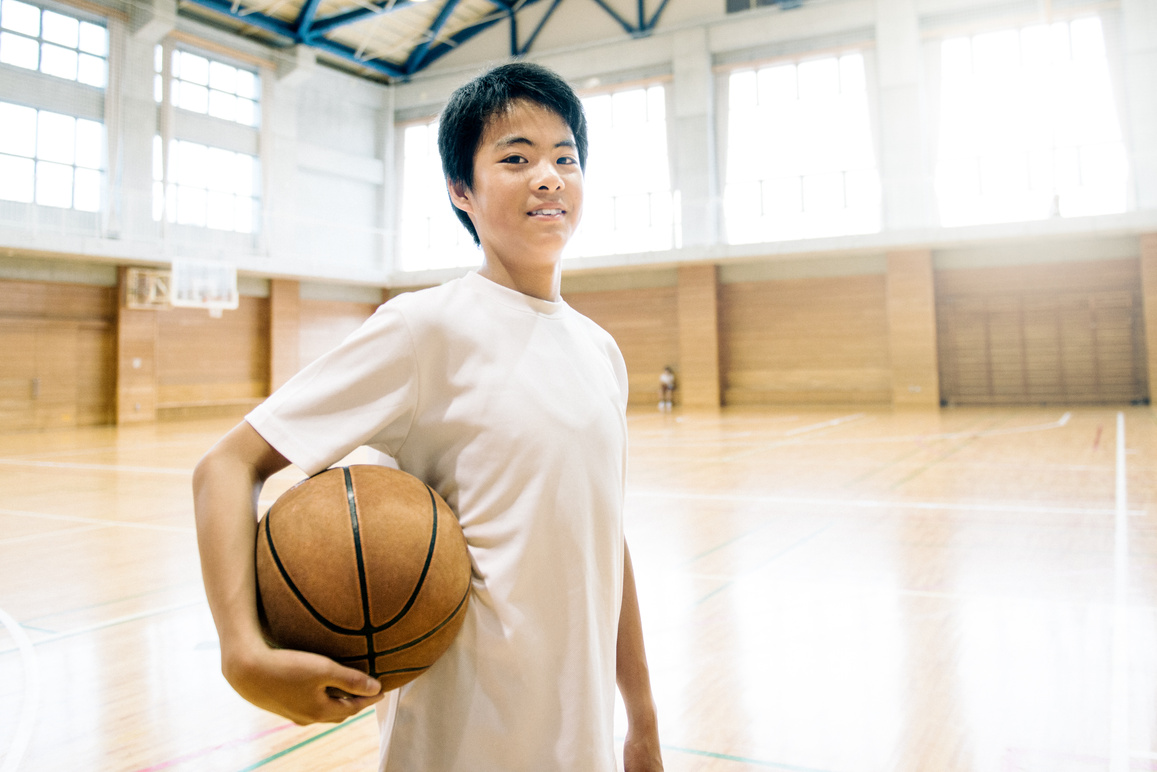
666 389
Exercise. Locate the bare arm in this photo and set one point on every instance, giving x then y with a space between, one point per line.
226 486
641 751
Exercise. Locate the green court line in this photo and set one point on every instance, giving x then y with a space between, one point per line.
741 759
303 743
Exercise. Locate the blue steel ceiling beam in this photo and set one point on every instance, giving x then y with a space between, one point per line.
417 56
306 16
515 49
329 23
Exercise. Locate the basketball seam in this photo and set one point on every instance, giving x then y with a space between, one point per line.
297 592
409 644
363 583
425 568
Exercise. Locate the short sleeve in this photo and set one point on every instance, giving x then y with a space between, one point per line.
364 392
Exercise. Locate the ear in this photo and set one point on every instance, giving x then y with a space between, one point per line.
460 195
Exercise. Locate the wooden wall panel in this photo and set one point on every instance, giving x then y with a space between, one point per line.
56 354
326 323
203 362
698 374
912 329
1149 303
644 323
1056 333
284 330
805 341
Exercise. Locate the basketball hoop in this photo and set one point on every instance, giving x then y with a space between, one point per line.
208 284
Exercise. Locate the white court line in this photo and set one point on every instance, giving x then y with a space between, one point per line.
112 623
99 522
1119 679
96 467
27 721
790 436
1060 422
824 425
1031 509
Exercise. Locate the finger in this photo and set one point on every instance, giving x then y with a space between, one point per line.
352 683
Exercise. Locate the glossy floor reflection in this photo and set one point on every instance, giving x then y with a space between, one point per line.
822 590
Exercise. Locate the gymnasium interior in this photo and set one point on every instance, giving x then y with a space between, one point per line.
900 254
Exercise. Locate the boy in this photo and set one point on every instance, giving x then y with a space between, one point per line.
512 406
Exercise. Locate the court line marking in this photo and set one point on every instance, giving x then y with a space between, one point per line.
740 577
1119 678
219 747
791 435
881 504
303 743
740 759
972 434
95 521
96 467
31 703
58 532
111 623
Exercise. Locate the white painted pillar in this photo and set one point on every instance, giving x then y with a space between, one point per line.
905 163
692 138
1139 19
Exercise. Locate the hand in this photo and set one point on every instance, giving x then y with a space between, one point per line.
305 688
641 752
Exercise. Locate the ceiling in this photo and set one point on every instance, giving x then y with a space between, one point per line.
392 40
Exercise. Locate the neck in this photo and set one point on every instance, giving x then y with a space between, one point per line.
543 284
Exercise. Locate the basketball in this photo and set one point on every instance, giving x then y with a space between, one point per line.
366 565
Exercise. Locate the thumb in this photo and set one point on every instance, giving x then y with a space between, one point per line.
355 683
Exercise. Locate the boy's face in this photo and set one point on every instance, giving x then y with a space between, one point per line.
527 196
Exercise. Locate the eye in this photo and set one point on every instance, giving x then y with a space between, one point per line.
513 159
567 160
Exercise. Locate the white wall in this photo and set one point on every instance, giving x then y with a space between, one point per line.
328 142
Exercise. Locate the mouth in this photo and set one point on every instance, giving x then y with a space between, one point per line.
546 212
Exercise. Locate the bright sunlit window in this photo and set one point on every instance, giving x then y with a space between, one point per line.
1028 126
207 187
627 200
431 235
53 43
800 159
206 86
50 159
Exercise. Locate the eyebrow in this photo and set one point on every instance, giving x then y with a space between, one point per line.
517 140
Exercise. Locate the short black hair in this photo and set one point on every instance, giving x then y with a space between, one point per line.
472 106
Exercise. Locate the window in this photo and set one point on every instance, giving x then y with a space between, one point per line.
800 160
209 87
53 43
431 235
1028 126
627 201
207 187
50 159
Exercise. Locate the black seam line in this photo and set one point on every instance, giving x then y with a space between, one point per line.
297 593
425 568
415 642
363 584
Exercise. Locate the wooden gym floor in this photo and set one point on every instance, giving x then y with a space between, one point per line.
823 591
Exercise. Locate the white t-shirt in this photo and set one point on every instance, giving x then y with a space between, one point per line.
513 409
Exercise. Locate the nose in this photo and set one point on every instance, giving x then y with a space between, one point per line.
546 176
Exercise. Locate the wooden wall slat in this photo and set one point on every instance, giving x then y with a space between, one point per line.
644 323
206 361
1070 332
807 341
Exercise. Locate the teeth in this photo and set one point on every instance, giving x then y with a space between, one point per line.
546 211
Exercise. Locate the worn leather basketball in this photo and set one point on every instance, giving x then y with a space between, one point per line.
366 565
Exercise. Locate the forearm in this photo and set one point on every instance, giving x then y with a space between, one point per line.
631 670
226 484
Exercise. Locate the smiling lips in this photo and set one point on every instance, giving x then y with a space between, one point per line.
546 212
